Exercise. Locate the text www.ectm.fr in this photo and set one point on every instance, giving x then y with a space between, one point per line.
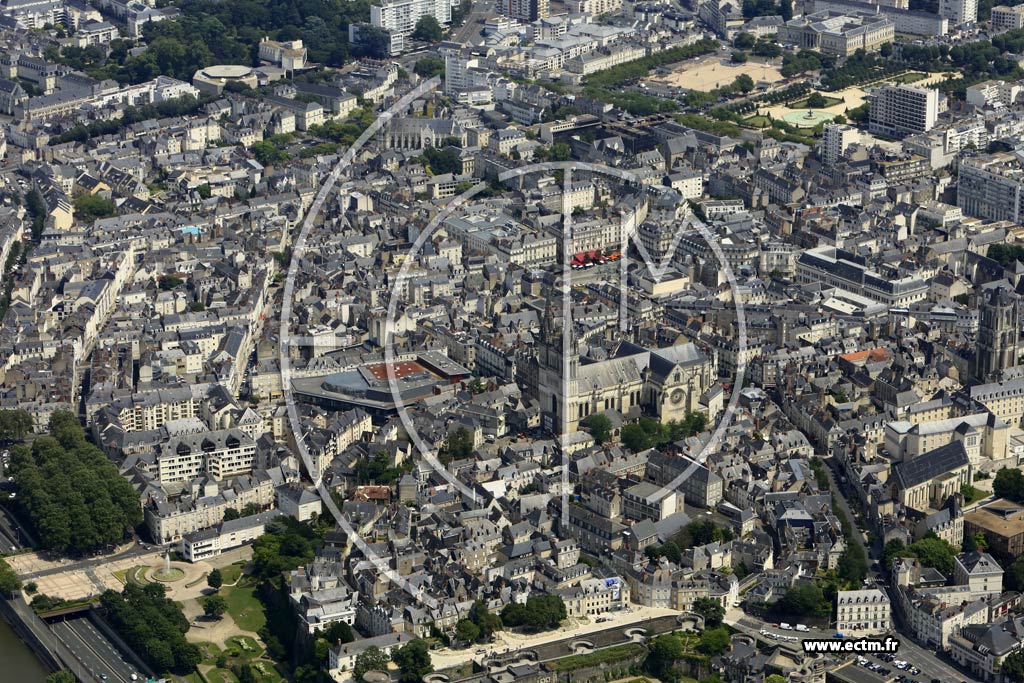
855 645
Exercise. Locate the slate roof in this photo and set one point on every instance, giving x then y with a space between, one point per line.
927 466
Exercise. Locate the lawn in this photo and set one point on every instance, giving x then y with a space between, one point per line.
245 646
802 104
137 575
757 122
245 609
912 77
221 676
210 653
231 573
972 494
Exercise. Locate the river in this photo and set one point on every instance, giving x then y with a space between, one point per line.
19 663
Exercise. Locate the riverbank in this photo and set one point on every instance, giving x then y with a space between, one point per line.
20 663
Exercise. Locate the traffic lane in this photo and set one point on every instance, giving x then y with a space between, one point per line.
117 666
930 665
92 663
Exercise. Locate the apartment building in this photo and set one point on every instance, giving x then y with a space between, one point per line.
399 17
982 648
959 12
863 611
595 596
836 139
990 186
646 501
1007 18
596 7
290 55
202 505
202 545
899 110
221 454
527 11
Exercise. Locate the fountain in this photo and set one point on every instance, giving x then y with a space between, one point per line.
168 573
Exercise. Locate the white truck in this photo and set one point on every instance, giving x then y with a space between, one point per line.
802 628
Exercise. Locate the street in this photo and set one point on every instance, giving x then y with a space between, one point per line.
136 551
94 650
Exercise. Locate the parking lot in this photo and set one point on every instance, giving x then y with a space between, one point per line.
912 664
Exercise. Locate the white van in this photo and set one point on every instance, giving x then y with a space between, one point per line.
802 628
785 627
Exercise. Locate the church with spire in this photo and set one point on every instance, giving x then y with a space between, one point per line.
570 384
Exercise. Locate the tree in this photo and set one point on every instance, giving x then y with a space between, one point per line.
9 581
15 425
893 549
775 678
443 160
816 100
744 41
170 282
743 83
853 564
70 492
711 610
214 579
153 626
215 606
243 672
665 651
251 509
738 57
62 676
459 444
599 426
429 67
485 620
467 631
413 661
932 551
1009 483
806 600
786 9
230 514
370 659
1013 667
974 542
267 153
428 30
540 613
89 207
714 641
634 438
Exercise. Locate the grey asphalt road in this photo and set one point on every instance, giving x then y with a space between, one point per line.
94 650
928 662
134 551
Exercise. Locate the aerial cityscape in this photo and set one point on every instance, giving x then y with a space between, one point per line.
485 341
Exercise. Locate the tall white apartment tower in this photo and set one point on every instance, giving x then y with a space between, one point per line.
899 110
959 12
399 17
836 139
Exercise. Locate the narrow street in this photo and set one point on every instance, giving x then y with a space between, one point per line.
844 505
